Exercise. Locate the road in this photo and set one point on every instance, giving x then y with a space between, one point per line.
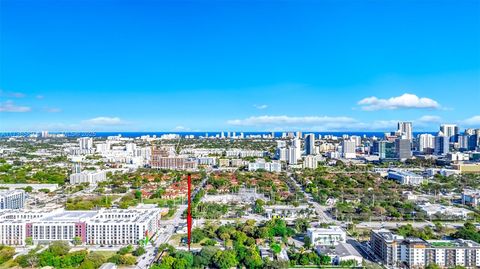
321 210
167 230
392 225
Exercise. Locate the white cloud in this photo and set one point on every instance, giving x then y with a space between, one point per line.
430 119
473 121
260 106
12 94
405 101
52 110
110 121
39 96
288 120
9 106
181 128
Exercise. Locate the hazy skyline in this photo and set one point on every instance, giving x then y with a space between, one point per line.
243 65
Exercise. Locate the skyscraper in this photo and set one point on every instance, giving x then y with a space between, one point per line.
449 130
405 128
425 143
310 144
441 144
403 148
384 149
85 142
348 149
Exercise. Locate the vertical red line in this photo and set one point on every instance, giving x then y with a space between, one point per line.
189 211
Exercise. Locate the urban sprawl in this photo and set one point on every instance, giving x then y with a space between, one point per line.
267 200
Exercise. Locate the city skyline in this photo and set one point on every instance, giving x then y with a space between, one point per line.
204 66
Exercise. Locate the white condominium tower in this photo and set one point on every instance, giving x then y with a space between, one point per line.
405 128
449 130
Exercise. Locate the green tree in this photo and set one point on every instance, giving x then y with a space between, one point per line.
77 241
139 251
253 259
307 242
29 241
432 266
96 259
225 259
6 253
59 248
205 257
127 259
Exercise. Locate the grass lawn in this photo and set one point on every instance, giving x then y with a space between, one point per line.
175 239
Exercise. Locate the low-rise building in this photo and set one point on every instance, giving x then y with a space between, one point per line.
287 212
471 197
442 210
405 177
341 252
330 236
273 166
91 177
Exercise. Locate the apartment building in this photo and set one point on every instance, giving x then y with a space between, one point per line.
12 199
396 251
102 227
91 177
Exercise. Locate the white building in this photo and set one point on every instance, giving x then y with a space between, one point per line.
425 141
449 211
449 130
85 143
273 166
310 162
92 177
14 199
405 177
348 149
405 128
103 227
327 236
342 252
394 250
293 155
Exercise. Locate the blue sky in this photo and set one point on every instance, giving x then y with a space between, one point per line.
238 65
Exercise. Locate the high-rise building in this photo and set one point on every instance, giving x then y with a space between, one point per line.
281 154
425 143
297 144
76 168
405 129
85 142
403 148
449 130
467 142
357 139
292 156
348 149
384 149
442 145
310 144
